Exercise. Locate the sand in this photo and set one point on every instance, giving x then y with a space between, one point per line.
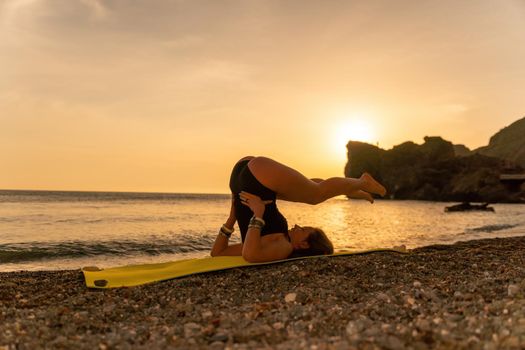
468 295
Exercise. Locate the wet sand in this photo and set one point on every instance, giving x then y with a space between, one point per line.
469 295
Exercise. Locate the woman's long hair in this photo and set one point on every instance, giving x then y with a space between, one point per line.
318 244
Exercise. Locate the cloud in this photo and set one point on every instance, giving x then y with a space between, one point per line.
99 11
183 42
10 9
216 72
453 108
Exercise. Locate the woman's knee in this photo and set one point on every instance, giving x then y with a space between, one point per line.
319 194
246 158
262 166
311 194
260 161
315 197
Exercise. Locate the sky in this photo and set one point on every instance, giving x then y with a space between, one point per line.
165 96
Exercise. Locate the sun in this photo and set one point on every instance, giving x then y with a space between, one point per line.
352 130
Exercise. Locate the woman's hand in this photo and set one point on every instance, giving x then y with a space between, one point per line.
255 203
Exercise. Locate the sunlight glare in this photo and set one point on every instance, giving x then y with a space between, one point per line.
353 130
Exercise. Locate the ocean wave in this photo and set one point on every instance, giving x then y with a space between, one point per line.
30 251
124 219
492 228
8 219
82 221
8 196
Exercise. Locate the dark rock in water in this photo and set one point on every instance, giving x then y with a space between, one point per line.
434 171
466 206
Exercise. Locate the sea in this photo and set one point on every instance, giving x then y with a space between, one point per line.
51 230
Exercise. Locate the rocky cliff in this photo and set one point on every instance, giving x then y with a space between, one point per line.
433 171
508 143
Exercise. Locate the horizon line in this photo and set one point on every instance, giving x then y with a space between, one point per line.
113 191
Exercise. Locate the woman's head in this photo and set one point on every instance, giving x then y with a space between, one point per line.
309 241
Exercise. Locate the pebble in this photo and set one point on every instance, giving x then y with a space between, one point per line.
207 314
512 342
391 308
423 324
352 329
221 337
191 329
473 339
409 300
383 297
297 311
278 325
290 297
355 327
216 345
393 342
512 290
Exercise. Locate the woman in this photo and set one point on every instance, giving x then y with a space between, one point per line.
256 183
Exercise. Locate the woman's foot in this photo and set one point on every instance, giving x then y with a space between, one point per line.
362 195
372 186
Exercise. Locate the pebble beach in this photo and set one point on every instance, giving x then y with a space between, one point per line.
469 295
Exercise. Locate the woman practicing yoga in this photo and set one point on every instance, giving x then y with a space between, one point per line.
256 183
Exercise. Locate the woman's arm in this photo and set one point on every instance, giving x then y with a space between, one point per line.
221 246
254 249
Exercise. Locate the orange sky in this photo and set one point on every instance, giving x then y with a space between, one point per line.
167 95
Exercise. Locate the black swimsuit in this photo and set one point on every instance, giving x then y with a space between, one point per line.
242 179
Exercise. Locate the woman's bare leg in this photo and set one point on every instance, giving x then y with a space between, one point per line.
293 186
360 194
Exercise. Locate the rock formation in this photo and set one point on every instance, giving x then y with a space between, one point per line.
462 150
508 143
433 171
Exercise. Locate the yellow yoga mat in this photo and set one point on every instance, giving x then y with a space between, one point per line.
134 275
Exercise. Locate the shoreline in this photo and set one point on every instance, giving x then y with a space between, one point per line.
469 294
